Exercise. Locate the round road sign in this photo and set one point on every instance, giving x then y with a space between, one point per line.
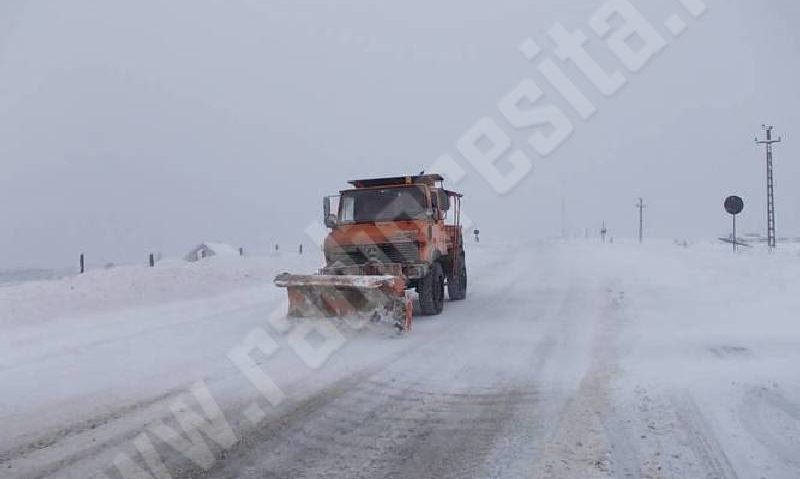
734 205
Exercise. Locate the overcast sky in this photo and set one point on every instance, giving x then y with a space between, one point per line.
151 125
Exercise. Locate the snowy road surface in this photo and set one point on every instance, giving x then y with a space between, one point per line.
567 360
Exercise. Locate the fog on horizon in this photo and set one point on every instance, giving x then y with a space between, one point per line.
136 127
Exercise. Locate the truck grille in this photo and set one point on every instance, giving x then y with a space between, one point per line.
407 252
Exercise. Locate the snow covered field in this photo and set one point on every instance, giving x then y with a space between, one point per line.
17 276
568 359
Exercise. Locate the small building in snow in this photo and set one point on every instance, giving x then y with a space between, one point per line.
207 250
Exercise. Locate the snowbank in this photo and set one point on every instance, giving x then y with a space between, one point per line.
84 346
135 286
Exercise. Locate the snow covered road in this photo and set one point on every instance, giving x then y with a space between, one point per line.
567 360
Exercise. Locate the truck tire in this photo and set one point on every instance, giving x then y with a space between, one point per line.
457 284
431 291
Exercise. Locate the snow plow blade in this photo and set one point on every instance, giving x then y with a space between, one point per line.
377 299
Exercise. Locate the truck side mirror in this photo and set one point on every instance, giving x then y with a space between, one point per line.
331 221
444 201
328 218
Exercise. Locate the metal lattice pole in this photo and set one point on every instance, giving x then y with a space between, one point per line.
772 239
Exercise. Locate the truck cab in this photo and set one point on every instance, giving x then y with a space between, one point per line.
409 226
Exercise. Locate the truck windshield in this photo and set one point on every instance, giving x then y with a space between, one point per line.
389 204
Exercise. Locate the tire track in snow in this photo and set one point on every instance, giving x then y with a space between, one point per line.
371 423
701 439
577 444
66 433
318 399
773 421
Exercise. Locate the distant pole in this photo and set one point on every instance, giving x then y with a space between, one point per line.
641 207
734 233
83 264
152 260
772 239
300 249
603 232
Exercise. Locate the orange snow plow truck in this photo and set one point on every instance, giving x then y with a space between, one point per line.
389 235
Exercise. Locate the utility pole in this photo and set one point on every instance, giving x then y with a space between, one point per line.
772 239
641 207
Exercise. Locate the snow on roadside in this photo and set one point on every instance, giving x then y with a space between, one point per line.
88 344
710 352
135 286
710 310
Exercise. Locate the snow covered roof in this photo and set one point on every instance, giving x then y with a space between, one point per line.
222 249
209 248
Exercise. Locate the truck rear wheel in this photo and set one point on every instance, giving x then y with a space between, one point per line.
457 284
431 291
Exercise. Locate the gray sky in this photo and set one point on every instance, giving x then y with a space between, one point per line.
136 126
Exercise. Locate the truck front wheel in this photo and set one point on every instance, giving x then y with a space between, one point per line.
431 291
